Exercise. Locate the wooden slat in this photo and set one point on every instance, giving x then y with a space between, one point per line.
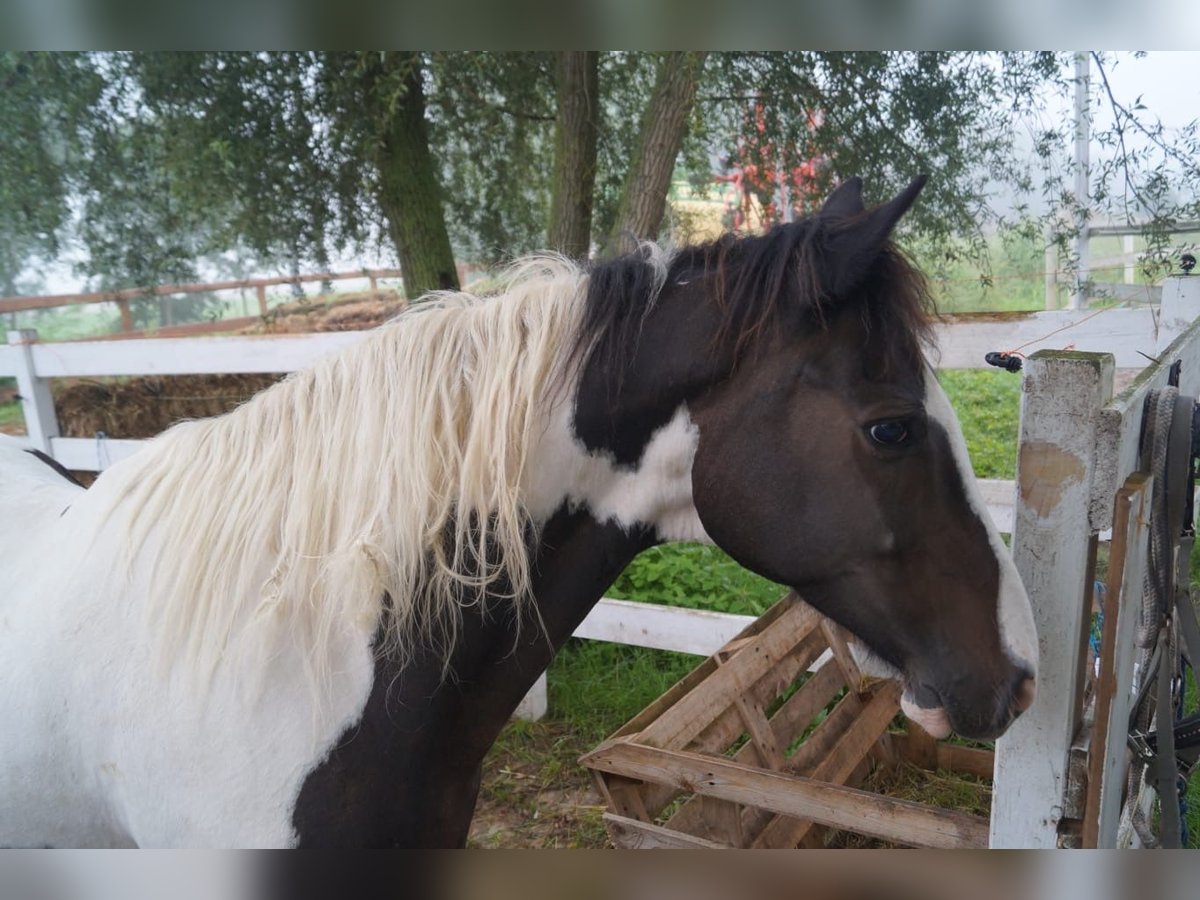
189 356
685 685
727 727
762 737
723 820
789 720
919 747
949 757
674 628
17 304
626 797
842 657
630 834
696 710
841 807
840 763
967 760
819 690
1126 567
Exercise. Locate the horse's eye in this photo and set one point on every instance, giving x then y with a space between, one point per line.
890 434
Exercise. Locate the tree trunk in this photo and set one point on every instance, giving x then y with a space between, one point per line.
575 128
664 125
410 194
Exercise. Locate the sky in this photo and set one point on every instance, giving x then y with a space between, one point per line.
1169 81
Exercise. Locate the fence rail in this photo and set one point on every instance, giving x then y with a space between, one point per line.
123 297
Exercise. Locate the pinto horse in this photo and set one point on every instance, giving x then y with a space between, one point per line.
304 623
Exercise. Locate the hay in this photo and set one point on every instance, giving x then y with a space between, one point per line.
143 407
904 781
349 312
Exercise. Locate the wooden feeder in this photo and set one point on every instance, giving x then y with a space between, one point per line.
737 754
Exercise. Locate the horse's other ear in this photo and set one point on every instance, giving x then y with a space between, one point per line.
845 201
852 247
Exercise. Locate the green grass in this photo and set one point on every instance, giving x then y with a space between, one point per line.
11 416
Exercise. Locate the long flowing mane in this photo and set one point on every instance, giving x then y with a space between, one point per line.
389 469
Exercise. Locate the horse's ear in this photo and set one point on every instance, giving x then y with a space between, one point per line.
845 201
852 247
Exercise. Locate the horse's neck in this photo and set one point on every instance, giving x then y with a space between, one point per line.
430 733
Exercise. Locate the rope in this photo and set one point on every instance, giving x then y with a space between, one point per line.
1010 359
1156 583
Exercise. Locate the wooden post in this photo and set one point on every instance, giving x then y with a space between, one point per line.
126 315
1062 394
1051 273
1109 757
374 282
534 705
37 403
261 290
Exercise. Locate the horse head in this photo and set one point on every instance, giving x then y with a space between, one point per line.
828 458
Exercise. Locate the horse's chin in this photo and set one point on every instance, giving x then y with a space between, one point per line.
935 721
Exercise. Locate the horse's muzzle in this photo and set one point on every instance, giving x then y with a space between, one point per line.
977 715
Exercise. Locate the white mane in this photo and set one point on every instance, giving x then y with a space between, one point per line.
391 467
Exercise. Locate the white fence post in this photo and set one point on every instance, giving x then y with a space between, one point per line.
37 403
1180 307
534 705
1062 394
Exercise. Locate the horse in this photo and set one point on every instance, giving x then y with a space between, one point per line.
304 623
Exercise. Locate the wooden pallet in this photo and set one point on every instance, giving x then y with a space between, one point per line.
742 753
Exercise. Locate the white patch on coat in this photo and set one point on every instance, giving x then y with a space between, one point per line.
935 722
656 492
1018 633
98 750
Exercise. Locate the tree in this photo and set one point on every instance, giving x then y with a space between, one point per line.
409 193
154 160
576 127
664 125
40 95
162 158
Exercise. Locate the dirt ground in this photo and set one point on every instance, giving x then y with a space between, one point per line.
535 795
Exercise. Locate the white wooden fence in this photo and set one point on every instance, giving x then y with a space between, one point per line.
1032 759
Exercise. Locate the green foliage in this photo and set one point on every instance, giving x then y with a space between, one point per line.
596 687
151 161
987 402
492 121
41 96
696 576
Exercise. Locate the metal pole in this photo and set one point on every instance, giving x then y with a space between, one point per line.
1079 295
